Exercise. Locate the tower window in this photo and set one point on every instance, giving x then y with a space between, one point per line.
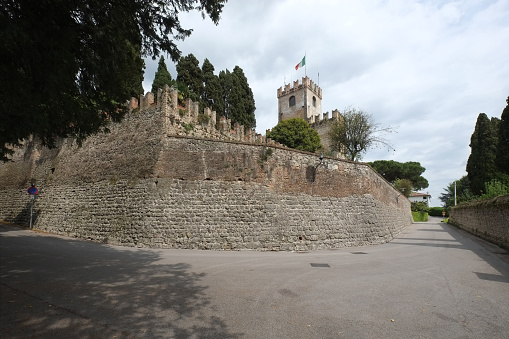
292 101
314 101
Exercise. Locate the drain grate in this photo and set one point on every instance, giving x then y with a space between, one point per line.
319 265
358 252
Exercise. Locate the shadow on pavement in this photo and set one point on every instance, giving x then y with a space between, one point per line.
86 290
492 254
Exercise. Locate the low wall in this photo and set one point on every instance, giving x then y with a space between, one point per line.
487 219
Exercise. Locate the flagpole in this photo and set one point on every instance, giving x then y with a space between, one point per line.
305 65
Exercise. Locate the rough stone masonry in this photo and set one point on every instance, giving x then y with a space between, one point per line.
162 179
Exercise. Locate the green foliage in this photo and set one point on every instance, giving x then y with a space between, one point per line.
187 127
463 193
404 186
419 207
68 67
436 211
355 133
420 216
494 188
267 154
481 162
189 73
502 152
237 98
392 170
162 76
296 133
212 91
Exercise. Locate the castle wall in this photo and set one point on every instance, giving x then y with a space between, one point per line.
141 186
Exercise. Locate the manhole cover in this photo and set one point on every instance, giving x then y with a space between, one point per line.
319 265
359 253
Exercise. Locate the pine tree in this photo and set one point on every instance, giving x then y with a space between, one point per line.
162 76
481 162
502 160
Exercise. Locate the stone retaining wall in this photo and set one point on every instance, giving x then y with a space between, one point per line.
488 219
140 186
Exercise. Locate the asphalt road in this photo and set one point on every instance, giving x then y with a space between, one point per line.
433 281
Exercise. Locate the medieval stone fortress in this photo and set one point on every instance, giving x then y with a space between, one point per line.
304 101
171 177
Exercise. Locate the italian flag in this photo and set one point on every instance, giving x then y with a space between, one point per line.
301 63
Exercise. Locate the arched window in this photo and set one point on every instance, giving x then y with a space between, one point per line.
292 101
314 101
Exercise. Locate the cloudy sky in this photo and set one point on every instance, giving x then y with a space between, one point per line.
425 68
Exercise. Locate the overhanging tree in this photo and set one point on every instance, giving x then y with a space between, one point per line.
355 133
68 67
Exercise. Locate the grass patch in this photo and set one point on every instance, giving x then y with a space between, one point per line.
420 216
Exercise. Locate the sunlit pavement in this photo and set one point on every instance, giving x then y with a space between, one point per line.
433 281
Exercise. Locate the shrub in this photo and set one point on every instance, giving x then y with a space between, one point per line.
436 211
419 207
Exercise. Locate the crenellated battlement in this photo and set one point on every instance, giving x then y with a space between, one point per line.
188 121
324 118
306 82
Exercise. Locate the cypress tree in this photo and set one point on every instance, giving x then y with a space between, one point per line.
226 82
212 92
238 100
245 106
502 160
162 76
481 162
190 74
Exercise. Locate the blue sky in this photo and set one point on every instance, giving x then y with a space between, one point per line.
425 68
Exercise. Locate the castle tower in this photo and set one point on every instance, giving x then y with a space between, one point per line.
300 101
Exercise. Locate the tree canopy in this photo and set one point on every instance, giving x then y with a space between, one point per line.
392 171
296 133
68 67
355 133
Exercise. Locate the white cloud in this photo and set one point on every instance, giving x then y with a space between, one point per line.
429 67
